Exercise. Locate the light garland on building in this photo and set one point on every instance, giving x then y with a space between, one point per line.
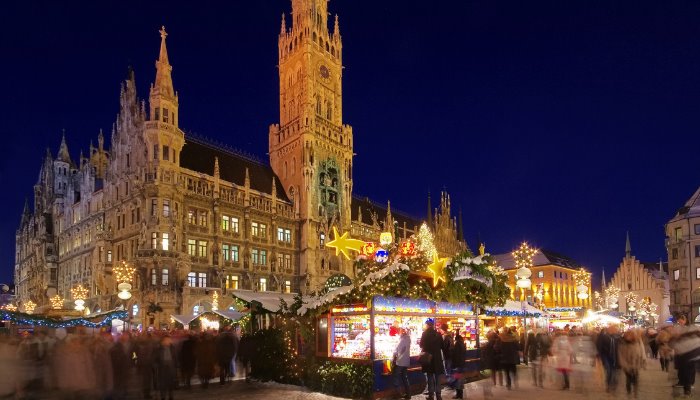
33 320
215 301
10 307
123 272
523 261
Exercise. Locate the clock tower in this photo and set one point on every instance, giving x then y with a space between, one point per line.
311 149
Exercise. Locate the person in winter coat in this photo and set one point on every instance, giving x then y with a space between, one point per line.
225 349
459 355
431 343
145 347
630 356
164 361
122 364
665 351
562 351
402 360
533 352
206 358
686 348
510 356
188 359
492 356
607 351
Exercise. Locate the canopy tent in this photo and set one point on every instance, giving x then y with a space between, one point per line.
514 308
228 314
270 301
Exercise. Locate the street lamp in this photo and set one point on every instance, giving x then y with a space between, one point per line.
612 294
582 279
79 294
523 261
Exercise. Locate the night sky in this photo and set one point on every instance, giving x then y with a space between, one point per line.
564 123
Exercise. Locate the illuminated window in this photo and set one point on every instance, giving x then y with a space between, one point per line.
322 238
254 229
234 253
109 256
232 282
263 284
679 234
287 286
202 218
263 257
234 224
284 235
166 208
697 273
135 310
166 241
192 247
154 276
164 277
192 279
154 240
540 274
676 274
202 279
255 256
226 252
191 218
202 248
225 222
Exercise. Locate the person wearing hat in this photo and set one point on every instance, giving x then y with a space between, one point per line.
431 359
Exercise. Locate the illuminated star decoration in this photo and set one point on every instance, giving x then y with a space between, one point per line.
437 269
343 243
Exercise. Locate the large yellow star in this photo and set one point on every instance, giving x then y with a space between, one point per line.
437 268
343 243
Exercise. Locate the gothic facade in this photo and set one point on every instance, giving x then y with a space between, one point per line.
194 216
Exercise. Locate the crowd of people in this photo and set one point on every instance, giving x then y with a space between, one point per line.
80 365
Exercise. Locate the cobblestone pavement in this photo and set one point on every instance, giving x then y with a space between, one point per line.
654 385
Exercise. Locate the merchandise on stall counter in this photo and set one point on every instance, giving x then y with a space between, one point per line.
351 337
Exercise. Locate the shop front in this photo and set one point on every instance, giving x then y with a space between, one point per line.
369 333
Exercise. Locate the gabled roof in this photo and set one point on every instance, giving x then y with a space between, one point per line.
198 155
542 257
653 268
367 206
691 207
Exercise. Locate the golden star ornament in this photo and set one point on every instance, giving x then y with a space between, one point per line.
343 243
438 269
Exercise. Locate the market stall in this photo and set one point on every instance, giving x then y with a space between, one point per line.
512 313
370 333
560 317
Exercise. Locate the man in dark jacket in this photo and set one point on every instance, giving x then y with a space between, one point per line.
510 356
459 355
188 359
431 343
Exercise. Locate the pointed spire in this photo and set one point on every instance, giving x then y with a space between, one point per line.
604 284
460 227
430 212
628 247
283 28
25 213
100 140
389 219
661 265
247 178
164 80
336 28
63 153
216 167
273 192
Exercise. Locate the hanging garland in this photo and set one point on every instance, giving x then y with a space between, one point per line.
19 318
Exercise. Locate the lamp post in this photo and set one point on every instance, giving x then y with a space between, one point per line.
612 295
79 294
523 261
582 279
124 275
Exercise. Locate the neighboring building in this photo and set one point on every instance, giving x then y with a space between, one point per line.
646 280
194 216
683 246
553 274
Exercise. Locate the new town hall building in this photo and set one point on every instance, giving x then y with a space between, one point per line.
193 216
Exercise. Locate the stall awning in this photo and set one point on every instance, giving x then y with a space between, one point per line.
515 309
269 300
230 314
184 319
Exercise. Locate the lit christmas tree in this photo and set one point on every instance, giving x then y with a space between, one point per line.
425 242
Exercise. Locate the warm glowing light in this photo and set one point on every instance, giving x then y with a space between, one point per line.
437 268
425 242
582 280
123 272
343 243
407 248
215 301
56 302
368 249
385 238
29 306
79 294
523 261
11 307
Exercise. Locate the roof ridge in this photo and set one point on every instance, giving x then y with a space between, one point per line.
224 147
378 204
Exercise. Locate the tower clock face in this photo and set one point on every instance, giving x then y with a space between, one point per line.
325 73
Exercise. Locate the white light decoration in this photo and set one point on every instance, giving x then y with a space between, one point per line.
29 307
123 274
124 291
523 260
215 301
79 294
582 279
385 238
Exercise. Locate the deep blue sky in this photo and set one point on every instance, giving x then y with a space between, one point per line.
565 123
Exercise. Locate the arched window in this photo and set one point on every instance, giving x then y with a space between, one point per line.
314 37
318 105
284 171
329 112
294 165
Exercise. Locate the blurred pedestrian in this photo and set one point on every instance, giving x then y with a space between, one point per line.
510 356
607 351
122 363
225 349
188 359
563 353
206 359
686 348
459 356
631 358
165 363
665 351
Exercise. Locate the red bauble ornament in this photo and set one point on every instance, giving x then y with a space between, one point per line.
369 249
407 248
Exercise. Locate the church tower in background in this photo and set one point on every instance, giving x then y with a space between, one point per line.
311 149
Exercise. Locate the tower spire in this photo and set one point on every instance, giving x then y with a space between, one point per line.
460 227
603 280
63 153
164 81
628 247
336 27
283 28
430 212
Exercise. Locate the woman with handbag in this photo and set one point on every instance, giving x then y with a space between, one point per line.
431 359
